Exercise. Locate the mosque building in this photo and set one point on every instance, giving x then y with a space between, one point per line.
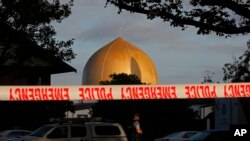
119 56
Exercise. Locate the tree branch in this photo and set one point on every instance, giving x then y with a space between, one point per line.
234 6
180 21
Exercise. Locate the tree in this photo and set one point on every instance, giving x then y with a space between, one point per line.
239 69
122 78
29 23
225 18
31 19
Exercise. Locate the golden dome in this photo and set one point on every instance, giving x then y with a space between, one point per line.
119 56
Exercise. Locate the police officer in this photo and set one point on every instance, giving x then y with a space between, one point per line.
136 129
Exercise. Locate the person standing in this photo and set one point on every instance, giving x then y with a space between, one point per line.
136 128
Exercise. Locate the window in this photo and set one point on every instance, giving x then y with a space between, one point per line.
60 132
107 130
40 132
189 134
78 131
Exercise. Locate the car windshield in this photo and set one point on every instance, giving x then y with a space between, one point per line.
189 134
200 136
40 132
173 134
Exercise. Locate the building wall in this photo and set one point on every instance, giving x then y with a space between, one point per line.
228 112
78 114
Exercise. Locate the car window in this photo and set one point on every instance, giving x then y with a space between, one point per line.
200 136
23 133
173 134
78 131
107 130
59 132
40 132
189 134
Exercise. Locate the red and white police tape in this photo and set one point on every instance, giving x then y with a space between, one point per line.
124 92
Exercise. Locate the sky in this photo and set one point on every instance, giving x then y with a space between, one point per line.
180 57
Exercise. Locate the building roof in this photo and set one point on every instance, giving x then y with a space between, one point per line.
40 61
24 55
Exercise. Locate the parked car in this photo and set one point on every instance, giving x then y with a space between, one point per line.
87 131
212 135
178 136
10 135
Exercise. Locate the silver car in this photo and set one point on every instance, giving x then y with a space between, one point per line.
98 131
213 135
10 135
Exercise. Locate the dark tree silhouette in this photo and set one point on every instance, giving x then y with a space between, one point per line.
122 79
32 19
223 17
239 69
29 23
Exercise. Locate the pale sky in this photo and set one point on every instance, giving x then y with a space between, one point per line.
179 56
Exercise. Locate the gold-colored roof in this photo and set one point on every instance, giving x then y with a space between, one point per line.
119 56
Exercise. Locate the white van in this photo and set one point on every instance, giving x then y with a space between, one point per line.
88 131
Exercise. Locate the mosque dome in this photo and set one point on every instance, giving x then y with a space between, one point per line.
119 56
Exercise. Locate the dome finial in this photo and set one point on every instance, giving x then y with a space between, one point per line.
119 34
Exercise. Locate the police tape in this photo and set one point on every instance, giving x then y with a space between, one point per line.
124 92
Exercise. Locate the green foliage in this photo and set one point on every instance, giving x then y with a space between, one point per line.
33 19
122 79
224 18
239 69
